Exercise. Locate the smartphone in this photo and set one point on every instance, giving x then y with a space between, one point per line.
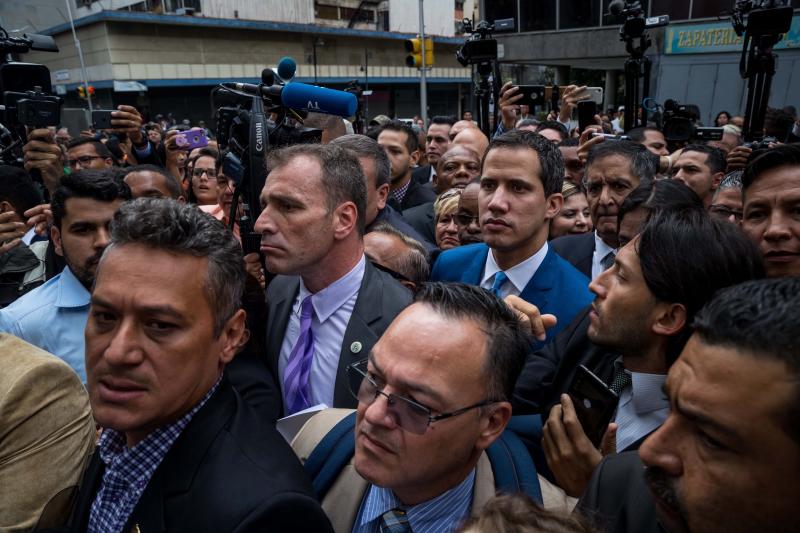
595 95
191 139
101 119
594 403
587 109
533 95
611 136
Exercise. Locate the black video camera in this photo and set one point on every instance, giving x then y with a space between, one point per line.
679 124
634 23
480 47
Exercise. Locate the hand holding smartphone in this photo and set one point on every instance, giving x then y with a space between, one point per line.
594 403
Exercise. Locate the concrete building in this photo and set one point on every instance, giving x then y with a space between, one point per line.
694 60
166 55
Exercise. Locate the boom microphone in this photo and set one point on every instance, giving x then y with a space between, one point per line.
286 68
305 97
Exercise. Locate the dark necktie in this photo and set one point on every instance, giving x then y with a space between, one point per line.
607 261
621 379
296 385
499 278
395 521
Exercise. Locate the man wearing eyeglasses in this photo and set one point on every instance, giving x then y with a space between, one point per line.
87 152
429 405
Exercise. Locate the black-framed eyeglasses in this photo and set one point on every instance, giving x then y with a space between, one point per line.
210 172
410 415
83 160
723 211
464 220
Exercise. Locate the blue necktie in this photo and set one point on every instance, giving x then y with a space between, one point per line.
296 377
394 521
499 278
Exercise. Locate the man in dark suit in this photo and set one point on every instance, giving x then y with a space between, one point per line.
706 468
520 192
402 147
180 450
328 305
613 170
437 142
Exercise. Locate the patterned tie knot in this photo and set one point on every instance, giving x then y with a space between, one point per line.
621 379
500 278
608 261
395 521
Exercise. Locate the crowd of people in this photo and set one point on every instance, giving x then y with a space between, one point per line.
545 330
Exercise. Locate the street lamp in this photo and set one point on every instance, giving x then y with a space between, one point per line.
317 42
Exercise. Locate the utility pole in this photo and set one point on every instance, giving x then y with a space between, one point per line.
80 56
423 87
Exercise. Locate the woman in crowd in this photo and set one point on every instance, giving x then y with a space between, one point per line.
574 215
444 217
723 117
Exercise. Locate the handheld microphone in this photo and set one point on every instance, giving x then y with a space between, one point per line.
304 97
287 68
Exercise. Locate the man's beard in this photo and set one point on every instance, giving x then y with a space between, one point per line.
84 273
663 488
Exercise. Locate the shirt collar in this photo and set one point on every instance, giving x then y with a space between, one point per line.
521 273
442 506
71 293
328 300
647 392
601 249
400 193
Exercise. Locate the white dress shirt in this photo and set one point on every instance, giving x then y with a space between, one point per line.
642 408
601 249
333 307
519 275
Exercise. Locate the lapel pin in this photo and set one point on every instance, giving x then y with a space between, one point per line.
355 347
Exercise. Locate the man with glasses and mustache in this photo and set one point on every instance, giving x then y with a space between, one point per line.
727 457
53 316
429 405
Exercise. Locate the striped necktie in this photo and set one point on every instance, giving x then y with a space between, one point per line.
296 378
395 521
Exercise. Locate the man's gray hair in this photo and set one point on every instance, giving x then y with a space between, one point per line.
414 263
180 228
363 146
643 163
342 177
732 180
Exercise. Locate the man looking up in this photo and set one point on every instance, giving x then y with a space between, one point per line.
771 202
520 192
613 170
328 305
165 321
702 168
52 316
402 147
437 141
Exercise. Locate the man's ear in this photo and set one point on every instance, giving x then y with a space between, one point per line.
716 179
234 335
383 195
670 319
55 236
554 204
345 220
415 155
493 424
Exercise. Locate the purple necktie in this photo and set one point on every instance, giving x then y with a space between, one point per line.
296 386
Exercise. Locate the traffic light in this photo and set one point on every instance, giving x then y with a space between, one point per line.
414 49
81 91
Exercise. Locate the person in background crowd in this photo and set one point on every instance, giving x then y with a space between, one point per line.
86 152
469 227
771 201
517 513
201 177
731 138
460 126
702 168
573 166
727 200
154 132
650 138
574 218
472 138
722 119
552 130
437 142
151 181
405 258
402 147
445 208
528 124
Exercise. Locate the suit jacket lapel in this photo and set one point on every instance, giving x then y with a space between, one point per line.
474 269
279 309
358 336
538 288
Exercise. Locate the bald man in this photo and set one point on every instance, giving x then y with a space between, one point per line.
472 138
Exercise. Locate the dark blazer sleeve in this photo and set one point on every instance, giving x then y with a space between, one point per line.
286 512
421 175
577 250
421 219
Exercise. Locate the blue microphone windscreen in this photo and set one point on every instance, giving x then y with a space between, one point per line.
286 68
319 99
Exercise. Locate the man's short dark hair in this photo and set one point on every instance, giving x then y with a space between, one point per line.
783 155
643 163
175 227
569 142
550 159
716 157
363 146
102 185
412 141
444 119
528 122
778 123
342 176
18 189
553 125
507 340
686 256
99 148
637 135
758 318
173 187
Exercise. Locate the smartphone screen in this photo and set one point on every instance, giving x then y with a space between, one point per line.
101 119
587 109
594 403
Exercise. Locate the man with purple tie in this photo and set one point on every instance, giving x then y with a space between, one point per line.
328 305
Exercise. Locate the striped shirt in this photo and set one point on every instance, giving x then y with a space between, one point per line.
128 471
442 514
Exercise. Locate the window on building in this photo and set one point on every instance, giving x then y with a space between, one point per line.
579 14
364 15
710 8
537 15
324 11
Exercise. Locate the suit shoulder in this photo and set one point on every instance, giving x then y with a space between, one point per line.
573 279
27 364
569 244
395 294
450 264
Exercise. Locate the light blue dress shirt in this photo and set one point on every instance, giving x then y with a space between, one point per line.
519 275
642 408
333 307
442 514
52 317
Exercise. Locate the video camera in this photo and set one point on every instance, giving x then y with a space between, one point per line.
24 94
479 47
251 117
679 124
633 20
